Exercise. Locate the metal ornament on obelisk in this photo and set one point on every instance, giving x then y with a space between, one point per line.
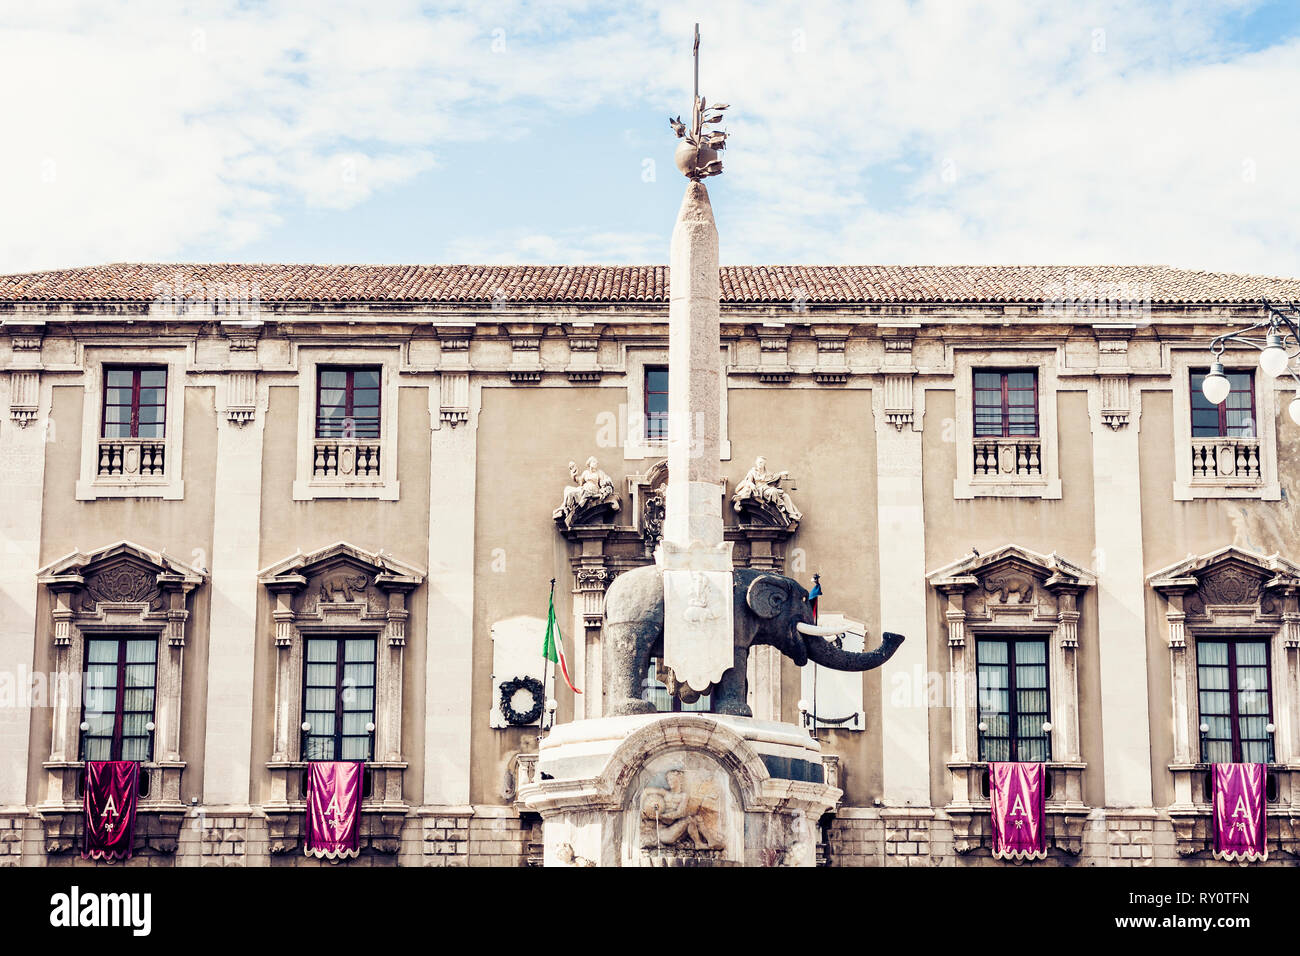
696 560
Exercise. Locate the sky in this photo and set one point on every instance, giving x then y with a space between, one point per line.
880 132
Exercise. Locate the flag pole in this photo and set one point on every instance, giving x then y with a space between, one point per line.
546 661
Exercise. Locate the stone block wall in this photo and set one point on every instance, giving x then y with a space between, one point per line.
11 840
499 836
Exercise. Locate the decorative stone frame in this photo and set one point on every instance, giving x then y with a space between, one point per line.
636 447
977 593
117 591
309 359
298 586
1232 593
967 484
169 486
1187 487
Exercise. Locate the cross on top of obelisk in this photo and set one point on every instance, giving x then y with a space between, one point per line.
697 155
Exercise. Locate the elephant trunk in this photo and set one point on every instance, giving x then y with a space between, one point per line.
823 652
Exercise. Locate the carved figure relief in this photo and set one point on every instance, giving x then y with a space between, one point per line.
122 583
764 487
685 813
591 487
701 605
653 512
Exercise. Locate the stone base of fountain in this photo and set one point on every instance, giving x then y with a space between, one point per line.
677 790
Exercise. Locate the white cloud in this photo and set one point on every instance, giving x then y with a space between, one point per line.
882 132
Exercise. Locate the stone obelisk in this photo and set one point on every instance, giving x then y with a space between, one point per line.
696 560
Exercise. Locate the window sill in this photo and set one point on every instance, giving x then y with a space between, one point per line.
118 487
330 488
1250 489
966 488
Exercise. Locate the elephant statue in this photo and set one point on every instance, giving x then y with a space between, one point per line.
768 609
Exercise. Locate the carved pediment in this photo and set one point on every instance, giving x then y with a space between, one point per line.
341 585
122 581
1229 585
1012 581
122 584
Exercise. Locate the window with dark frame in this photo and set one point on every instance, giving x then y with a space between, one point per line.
118 698
656 402
1013 699
1235 696
338 698
653 690
1234 417
135 402
1006 403
347 402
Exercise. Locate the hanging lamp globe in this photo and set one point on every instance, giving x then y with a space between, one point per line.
1273 360
1216 385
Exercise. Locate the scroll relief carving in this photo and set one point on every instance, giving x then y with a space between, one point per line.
123 584
591 489
1230 586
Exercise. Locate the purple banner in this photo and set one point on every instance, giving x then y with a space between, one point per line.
112 787
333 809
1239 811
1016 793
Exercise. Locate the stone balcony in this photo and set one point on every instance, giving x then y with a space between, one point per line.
132 457
346 458
999 458
1226 461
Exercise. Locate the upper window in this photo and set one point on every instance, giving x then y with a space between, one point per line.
135 403
1006 403
347 403
655 691
656 403
118 698
1235 701
1232 418
1013 705
339 698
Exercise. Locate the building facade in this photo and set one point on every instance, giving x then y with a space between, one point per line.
258 515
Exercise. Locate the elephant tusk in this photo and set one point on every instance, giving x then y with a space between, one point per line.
812 630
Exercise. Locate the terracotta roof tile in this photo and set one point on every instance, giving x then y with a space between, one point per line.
142 282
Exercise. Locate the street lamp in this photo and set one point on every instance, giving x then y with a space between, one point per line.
1280 344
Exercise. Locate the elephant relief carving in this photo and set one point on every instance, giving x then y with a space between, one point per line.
1021 585
341 582
767 608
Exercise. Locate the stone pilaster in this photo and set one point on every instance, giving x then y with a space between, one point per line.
900 522
1121 606
450 624
22 475
236 540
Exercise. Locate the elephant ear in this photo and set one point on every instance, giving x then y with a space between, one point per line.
767 596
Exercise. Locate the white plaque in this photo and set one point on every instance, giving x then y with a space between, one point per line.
698 626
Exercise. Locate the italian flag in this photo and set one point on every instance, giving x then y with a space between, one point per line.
553 649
